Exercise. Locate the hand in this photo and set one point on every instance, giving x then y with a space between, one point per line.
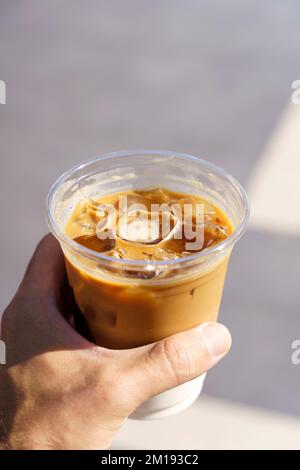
60 391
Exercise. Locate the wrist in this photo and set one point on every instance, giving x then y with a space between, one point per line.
17 428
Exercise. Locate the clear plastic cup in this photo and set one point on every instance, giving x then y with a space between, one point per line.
124 306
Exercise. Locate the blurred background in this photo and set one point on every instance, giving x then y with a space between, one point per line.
205 77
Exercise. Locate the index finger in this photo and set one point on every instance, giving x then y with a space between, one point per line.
46 269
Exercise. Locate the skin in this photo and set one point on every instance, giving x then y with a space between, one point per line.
58 390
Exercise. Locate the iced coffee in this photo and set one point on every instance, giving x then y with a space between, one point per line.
144 291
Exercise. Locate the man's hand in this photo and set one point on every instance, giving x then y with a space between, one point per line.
61 391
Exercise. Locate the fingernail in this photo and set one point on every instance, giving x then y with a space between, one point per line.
216 337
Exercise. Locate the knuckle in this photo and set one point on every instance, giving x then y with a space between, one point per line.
203 351
181 358
177 358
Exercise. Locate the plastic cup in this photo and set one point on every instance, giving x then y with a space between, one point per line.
123 306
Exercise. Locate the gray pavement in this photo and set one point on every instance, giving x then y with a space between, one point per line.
205 77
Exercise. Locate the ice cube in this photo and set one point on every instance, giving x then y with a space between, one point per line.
132 202
162 254
147 227
106 226
138 227
149 272
209 209
94 243
216 230
155 195
120 253
84 217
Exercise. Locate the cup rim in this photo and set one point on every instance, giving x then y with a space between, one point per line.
87 252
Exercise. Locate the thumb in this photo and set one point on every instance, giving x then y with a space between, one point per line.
179 358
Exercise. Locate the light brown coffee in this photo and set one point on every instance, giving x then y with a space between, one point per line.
127 307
